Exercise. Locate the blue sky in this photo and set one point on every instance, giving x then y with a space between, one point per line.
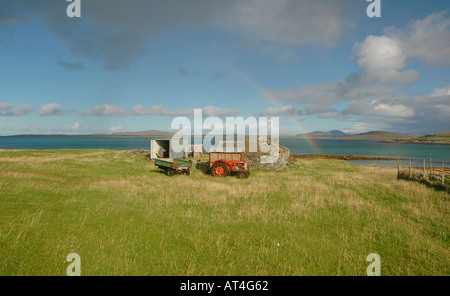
135 65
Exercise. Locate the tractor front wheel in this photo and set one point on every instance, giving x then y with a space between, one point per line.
219 170
244 175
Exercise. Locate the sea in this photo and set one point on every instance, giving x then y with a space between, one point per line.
373 148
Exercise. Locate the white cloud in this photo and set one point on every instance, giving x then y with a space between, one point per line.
441 91
427 39
6 106
7 109
382 58
74 127
105 110
51 110
361 127
378 109
115 128
219 112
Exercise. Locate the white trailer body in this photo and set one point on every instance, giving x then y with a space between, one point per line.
162 148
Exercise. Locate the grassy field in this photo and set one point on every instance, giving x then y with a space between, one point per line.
125 217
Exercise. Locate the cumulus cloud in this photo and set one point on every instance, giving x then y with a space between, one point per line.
105 110
51 110
7 109
441 92
378 109
116 31
426 39
206 111
382 58
74 127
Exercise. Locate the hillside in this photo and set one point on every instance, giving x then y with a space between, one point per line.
333 133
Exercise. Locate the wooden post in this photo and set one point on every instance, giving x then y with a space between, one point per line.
424 168
409 175
443 174
398 165
431 168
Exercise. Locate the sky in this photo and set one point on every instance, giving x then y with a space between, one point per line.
135 65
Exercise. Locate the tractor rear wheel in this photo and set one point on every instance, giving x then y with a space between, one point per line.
219 170
170 172
188 172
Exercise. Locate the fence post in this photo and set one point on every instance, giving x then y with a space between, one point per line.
424 168
431 168
443 174
409 174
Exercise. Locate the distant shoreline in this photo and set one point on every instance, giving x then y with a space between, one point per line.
415 142
344 157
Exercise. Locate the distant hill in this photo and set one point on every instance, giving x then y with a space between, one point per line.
379 135
440 138
333 133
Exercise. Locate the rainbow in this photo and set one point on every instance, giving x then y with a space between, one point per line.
310 141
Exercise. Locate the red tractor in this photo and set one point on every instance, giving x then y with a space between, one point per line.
222 164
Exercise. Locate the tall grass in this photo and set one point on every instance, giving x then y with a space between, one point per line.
125 217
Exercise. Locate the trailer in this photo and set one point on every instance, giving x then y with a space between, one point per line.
222 164
174 166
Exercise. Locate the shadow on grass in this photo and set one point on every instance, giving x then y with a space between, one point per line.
432 182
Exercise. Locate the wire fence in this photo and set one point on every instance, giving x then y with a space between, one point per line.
431 173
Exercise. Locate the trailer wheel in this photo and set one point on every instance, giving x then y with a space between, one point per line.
170 172
244 175
219 170
188 172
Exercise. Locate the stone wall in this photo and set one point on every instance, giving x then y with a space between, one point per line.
255 159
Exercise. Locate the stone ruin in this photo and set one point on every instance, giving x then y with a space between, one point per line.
255 159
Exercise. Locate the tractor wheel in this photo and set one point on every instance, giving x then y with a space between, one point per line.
244 175
219 170
188 172
170 172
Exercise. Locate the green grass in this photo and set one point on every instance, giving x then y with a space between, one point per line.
125 217
442 137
